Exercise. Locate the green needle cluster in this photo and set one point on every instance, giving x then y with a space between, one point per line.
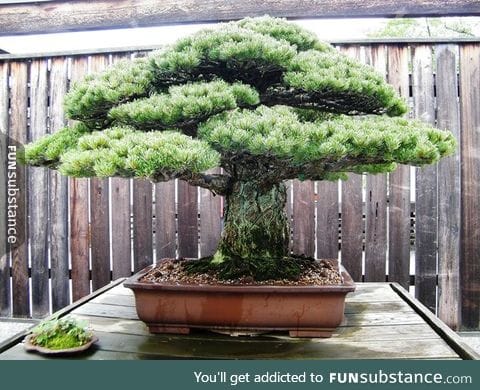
260 96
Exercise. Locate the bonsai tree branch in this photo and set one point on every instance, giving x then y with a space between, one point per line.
219 184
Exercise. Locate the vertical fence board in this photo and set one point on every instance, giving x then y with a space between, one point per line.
399 184
187 220
352 210
470 152
327 220
426 185
121 237
142 224
58 194
99 213
210 220
18 134
99 220
352 226
165 220
289 212
376 228
79 226
5 308
448 189
38 199
303 218
120 224
376 200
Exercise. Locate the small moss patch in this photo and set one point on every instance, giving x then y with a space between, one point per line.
64 333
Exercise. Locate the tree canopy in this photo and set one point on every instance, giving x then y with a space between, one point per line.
261 98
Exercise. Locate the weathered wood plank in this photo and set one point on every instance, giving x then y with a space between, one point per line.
187 220
333 348
352 226
79 224
374 293
121 233
67 16
397 306
303 224
399 183
18 353
457 343
350 334
376 228
142 224
470 150
38 199
376 199
58 193
111 311
121 290
289 212
165 220
5 307
112 299
100 239
327 220
18 135
426 184
99 213
449 188
210 220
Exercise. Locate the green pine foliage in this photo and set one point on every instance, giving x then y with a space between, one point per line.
184 105
125 152
371 144
48 150
290 32
257 87
91 98
337 77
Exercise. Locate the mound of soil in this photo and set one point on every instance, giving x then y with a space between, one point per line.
318 273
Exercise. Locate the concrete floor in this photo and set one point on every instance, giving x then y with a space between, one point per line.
10 327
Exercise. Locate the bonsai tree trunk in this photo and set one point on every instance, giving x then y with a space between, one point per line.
256 225
255 238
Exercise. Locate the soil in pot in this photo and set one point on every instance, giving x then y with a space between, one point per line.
313 273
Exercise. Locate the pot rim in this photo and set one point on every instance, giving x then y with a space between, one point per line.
347 286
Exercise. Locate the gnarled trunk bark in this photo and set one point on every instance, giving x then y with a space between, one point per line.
256 225
255 238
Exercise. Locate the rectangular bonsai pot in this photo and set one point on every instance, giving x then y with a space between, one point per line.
303 311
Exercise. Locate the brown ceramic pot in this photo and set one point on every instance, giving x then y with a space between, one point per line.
303 311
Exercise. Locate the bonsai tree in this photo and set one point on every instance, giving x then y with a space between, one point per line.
261 98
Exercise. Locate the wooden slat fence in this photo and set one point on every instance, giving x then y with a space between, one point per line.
76 235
